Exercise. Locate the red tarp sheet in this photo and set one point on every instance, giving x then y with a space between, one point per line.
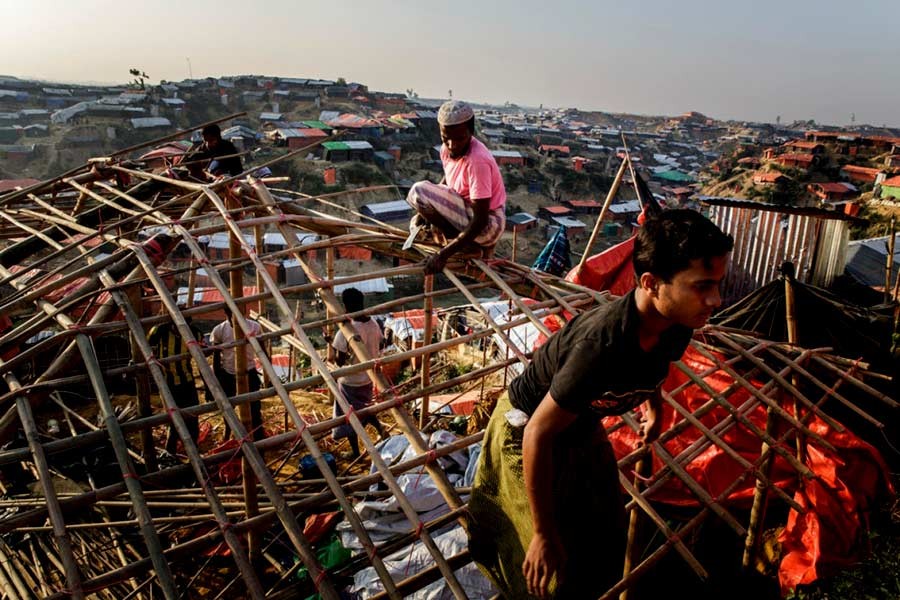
610 270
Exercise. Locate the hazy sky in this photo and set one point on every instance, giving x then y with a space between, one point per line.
750 59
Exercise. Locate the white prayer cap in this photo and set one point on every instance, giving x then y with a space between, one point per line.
454 112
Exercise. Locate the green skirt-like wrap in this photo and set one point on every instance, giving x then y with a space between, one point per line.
588 508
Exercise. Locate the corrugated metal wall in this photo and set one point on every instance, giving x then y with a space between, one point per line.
764 239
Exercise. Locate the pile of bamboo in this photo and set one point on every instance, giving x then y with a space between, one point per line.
140 534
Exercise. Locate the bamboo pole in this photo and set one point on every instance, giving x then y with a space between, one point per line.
683 550
793 338
142 387
632 556
825 388
790 388
889 263
260 250
329 313
192 283
425 380
11 588
609 198
760 497
856 382
236 284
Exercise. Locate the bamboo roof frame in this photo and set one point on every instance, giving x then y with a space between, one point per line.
140 556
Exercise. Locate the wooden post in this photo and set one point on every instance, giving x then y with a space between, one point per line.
142 385
258 234
609 198
236 283
632 552
426 358
192 283
329 313
793 338
515 243
760 491
261 305
889 263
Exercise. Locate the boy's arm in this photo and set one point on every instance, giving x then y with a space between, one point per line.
545 555
651 420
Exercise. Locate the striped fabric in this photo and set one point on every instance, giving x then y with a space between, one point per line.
555 258
166 342
456 210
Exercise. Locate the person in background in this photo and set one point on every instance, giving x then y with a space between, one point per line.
224 367
166 342
223 157
356 388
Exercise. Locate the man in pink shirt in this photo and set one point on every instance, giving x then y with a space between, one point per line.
469 206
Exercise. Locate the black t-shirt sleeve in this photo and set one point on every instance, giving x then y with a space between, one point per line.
576 382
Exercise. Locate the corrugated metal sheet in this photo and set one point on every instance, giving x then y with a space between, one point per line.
368 286
276 239
382 208
765 237
147 122
568 222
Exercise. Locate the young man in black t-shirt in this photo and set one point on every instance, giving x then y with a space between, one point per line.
547 515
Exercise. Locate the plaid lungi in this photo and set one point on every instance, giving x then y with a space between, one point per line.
456 210
589 512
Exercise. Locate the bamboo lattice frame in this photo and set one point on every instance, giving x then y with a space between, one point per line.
64 543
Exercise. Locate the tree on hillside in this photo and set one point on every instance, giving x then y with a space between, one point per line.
139 77
340 81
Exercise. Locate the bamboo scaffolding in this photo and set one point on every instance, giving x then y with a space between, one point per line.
403 419
247 449
58 243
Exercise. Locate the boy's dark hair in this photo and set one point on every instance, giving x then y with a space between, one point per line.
668 242
352 299
211 131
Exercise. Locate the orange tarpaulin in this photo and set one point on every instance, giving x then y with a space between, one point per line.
354 252
831 532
